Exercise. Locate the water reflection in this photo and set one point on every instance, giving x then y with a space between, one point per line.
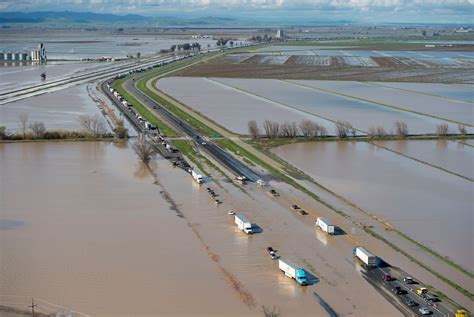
10 224
442 144
143 170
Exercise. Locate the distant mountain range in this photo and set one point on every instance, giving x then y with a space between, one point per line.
72 18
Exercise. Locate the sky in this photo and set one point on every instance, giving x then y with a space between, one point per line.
412 11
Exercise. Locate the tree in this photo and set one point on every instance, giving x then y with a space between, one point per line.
38 128
462 129
253 129
308 128
342 128
270 313
401 129
3 133
93 124
173 48
144 150
322 131
272 128
23 119
442 129
381 131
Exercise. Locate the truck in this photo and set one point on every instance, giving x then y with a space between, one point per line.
197 177
243 223
365 256
325 225
293 271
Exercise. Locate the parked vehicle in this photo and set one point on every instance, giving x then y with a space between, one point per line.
243 223
303 212
408 280
231 212
422 291
411 303
325 225
397 290
388 278
273 192
365 256
197 177
294 207
294 271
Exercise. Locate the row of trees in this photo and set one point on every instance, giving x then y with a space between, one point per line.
261 39
343 129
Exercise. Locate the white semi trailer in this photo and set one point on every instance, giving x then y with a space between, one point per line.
365 256
325 225
243 223
292 270
197 177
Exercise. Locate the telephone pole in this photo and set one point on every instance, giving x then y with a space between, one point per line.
33 305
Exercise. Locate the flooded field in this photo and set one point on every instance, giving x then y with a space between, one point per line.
234 106
457 92
459 111
74 45
452 156
58 110
420 200
15 77
228 106
99 238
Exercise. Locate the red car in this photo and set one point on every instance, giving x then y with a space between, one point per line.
387 278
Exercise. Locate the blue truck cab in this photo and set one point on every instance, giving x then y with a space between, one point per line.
301 277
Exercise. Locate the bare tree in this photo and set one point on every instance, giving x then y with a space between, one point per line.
308 128
94 125
322 131
380 131
38 128
343 128
23 120
352 131
442 129
253 129
401 129
462 129
288 130
272 128
275 312
144 150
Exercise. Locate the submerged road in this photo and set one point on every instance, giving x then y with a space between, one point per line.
219 154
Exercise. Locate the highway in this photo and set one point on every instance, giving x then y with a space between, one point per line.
219 154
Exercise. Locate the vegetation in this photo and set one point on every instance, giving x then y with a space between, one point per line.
442 129
145 150
93 124
401 129
23 121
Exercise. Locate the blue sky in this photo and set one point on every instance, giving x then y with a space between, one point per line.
413 11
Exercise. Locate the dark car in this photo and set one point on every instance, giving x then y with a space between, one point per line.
398 291
411 303
294 207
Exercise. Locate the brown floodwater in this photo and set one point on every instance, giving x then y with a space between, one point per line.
430 205
86 228
83 226
452 156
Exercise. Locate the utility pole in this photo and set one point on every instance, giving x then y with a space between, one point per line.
33 305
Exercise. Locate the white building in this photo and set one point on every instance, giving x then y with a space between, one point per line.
39 54
280 34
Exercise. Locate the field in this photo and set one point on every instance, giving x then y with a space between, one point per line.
418 199
233 102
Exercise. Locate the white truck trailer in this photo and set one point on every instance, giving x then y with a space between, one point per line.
365 256
197 177
292 270
243 223
325 225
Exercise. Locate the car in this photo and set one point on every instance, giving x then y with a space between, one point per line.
411 303
294 207
387 278
231 212
203 143
424 311
270 249
397 290
303 212
408 280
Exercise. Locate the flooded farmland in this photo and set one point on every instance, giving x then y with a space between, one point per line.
298 100
98 237
58 110
459 111
228 106
418 199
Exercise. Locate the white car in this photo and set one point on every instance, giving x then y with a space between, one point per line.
424 311
231 212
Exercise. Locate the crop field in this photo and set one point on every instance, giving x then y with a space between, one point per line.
451 109
418 199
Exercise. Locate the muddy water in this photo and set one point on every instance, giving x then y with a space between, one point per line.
83 226
460 111
230 107
418 199
58 110
453 156
245 258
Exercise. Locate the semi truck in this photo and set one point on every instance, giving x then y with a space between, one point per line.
197 177
365 256
294 271
325 225
243 223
